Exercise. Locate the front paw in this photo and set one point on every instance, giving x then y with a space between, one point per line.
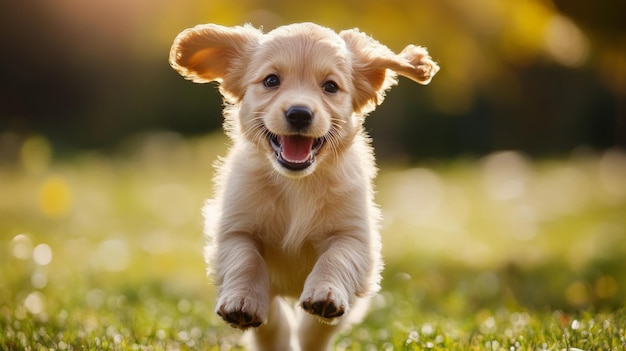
326 303
241 312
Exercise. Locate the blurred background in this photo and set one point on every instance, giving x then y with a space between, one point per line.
540 76
503 182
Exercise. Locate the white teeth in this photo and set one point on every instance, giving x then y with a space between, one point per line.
308 159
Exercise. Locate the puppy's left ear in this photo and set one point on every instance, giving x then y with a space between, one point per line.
375 67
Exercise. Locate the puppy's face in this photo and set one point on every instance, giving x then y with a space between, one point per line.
297 105
300 90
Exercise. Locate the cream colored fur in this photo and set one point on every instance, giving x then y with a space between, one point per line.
308 228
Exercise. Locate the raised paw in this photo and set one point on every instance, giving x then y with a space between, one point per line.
239 319
326 305
326 309
242 312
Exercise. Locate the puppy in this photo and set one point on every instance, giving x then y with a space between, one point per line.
293 214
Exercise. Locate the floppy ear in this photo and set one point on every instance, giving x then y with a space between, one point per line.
375 67
210 52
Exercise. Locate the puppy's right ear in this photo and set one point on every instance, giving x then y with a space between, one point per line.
210 52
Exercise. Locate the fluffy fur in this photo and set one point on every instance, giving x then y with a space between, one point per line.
294 214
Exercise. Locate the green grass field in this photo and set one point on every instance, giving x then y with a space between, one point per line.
104 252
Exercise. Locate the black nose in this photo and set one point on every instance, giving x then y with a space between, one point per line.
299 117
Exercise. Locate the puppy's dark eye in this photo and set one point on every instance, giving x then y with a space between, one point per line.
271 81
330 87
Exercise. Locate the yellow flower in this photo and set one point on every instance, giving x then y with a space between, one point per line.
55 197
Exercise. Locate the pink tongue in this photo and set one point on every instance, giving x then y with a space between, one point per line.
296 148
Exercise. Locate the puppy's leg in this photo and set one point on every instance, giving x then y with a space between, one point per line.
278 334
243 282
315 335
342 272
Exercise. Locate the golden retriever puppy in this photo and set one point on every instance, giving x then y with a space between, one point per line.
293 214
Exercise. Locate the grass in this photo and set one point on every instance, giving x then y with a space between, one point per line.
103 252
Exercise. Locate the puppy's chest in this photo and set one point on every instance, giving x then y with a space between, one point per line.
290 229
293 220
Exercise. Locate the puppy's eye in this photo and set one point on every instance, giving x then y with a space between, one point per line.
330 87
271 81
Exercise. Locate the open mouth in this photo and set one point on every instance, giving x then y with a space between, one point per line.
295 152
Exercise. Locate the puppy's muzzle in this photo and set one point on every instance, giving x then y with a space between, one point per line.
297 151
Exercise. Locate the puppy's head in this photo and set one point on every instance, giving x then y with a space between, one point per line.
299 92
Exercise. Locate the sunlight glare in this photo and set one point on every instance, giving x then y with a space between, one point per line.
114 255
36 154
39 280
35 302
184 306
523 223
519 320
565 42
506 175
419 195
612 172
488 326
22 247
563 190
42 254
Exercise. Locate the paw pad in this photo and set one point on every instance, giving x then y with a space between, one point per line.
240 319
325 309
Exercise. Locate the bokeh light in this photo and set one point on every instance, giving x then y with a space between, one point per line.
113 255
35 302
39 279
36 154
42 254
22 247
55 197
566 43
